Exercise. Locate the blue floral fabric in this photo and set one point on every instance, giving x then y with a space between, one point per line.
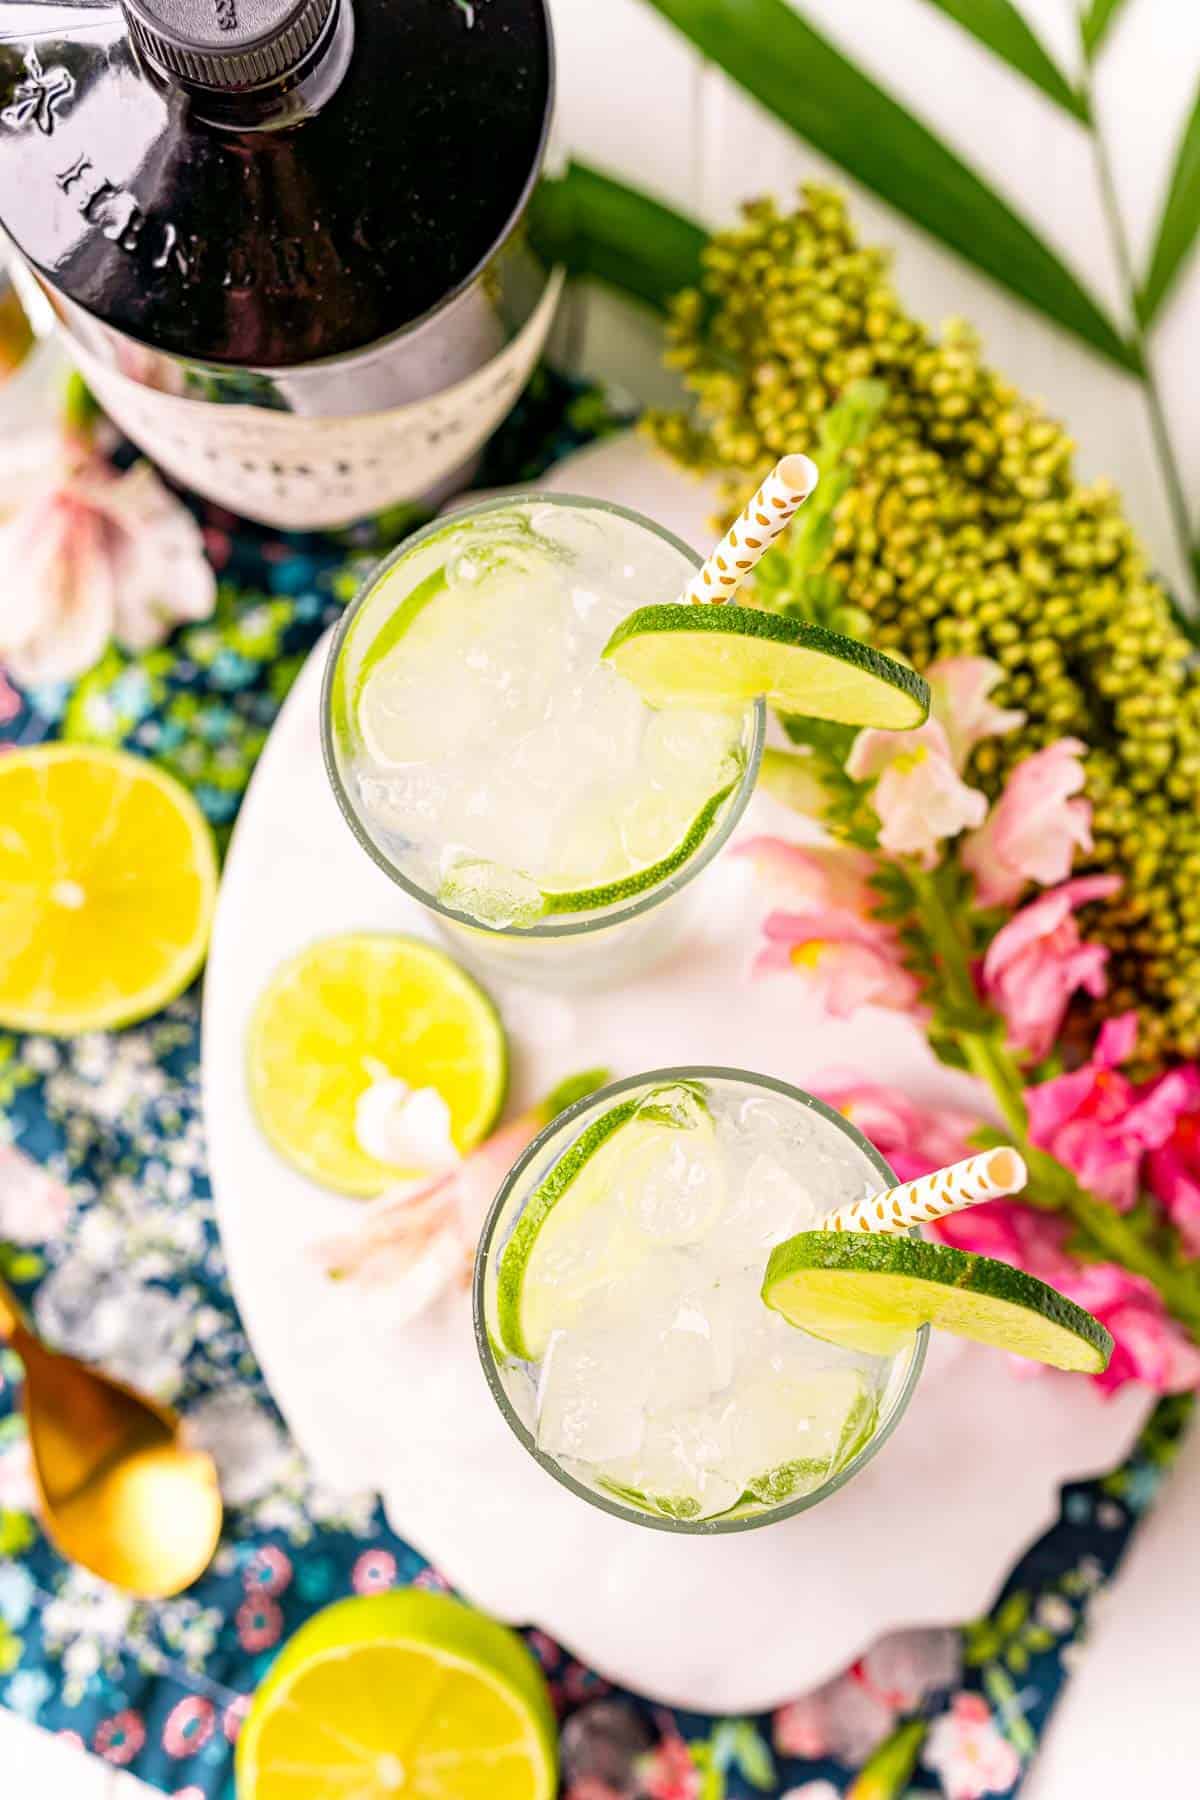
119 1258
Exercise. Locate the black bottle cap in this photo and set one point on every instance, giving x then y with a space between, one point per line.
227 45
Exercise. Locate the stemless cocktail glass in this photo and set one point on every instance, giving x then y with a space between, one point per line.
497 769
617 1308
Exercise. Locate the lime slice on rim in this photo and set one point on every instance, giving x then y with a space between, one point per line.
347 1011
580 1228
869 1291
726 656
108 877
400 1693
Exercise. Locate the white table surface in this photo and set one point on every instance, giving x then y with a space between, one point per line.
1126 1725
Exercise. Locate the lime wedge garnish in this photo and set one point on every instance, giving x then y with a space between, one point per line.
349 1009
400 1693
580 1229
869 1291
726 656
108 876
641 880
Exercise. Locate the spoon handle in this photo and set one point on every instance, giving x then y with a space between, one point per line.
12 1314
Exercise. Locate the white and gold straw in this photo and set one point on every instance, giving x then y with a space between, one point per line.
963 1184
753 532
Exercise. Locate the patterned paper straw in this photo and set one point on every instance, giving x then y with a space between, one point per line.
963 1184
771 511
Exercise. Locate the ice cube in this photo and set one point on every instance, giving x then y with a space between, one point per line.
698 751
408 800
770 1204
590 1398
685 1465
676 1196
793 1431
490 892
694 1356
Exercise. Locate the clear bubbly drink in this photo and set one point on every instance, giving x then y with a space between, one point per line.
498 768
619 1313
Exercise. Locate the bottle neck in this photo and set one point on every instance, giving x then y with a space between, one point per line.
284 100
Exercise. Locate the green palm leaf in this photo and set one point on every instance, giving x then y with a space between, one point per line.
599 228
800 77
1000 27
1179 222
1095 22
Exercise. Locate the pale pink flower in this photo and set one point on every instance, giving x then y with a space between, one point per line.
959 688
1173 1168
33 1205
970 1755
829 935
1149 1347
420 1241
802 876
844 962
914 1139
93 555
10 701
1035 827
1036 962
919 796
1098 1124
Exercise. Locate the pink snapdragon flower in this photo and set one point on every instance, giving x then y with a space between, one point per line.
959 687
1035 827
90 555
914 1139
1098 1123
919 796
1036 962
1149 1346
829 935
1173 1168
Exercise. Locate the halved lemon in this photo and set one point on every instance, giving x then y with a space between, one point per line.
108 875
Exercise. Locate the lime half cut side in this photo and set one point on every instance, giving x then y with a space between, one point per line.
869 1291
728 656
350 1010
400 1693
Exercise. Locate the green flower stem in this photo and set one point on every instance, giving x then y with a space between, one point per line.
1110 1235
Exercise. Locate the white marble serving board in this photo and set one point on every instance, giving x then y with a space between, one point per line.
925 1534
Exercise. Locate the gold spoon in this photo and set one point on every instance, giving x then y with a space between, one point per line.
120 1491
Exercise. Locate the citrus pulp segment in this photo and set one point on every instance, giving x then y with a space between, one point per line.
108 877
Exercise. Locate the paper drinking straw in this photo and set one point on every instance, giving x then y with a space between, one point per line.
963 1184
753 532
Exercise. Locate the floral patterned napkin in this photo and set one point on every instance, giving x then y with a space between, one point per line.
106 1224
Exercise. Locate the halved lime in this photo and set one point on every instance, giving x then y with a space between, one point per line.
727 656
347 1011
580 1229
108 877
869 1291
400 1693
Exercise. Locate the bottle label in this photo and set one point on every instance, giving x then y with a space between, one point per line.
304 473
